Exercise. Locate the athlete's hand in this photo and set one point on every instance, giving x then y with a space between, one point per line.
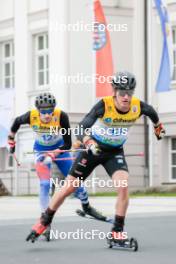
11 143
77 144
53 154
92 147
159 131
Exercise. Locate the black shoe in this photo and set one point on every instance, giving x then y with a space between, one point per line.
118 235
89 210
32 236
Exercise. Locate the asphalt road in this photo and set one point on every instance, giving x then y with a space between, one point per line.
156 236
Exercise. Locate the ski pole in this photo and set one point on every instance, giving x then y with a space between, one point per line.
140 154
69 158
17 161
55 151
11 151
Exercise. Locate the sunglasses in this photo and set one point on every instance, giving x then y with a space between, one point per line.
45 111
124 92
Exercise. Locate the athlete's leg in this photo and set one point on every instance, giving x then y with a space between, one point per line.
117 168
77 173
120 179
71 183
64 167
69 187
83 168
43 170
58 198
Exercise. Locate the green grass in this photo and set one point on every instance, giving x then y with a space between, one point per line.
167 194
137 194
103 194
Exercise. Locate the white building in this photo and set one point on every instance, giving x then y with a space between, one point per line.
37 53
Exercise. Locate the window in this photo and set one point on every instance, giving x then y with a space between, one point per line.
174 53
173 159
7 69
41 61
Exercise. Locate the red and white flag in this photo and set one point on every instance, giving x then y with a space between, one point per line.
102 46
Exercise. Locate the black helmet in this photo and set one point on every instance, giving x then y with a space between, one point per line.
45 100
124 81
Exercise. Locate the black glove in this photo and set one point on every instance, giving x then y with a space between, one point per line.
159 131
11 143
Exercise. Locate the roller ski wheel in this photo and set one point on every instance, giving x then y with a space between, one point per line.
129 244
32 236
80 213
46 234
37 230
134 244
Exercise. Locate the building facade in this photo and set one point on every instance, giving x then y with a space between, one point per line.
45 47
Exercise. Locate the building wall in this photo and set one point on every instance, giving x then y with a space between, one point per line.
70 54
163 102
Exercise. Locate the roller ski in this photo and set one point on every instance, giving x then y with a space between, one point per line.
37 230
91 213
118 241
43 226
117 238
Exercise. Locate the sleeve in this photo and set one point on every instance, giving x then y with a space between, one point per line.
20 120
88 121
64 122
149 111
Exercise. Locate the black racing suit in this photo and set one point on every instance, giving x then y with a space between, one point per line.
111 158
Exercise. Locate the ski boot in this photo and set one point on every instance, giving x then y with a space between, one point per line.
91 211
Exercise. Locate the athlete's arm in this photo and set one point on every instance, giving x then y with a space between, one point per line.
88 121
64 122
20 120
149 111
